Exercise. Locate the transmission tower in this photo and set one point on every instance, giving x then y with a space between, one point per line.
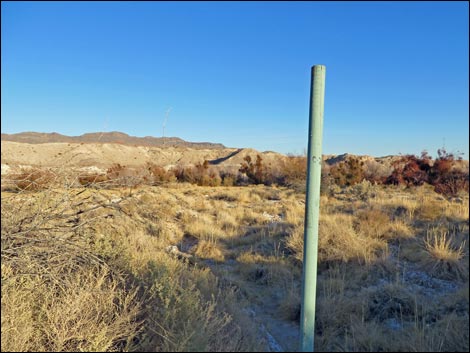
167 113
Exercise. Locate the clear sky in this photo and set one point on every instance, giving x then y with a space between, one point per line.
238 73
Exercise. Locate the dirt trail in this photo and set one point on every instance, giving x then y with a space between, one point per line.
281 335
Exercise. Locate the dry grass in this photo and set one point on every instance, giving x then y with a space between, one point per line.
88 269
209 250
373 223
371 292
458 209
265 270
446 254
399 229
339 241
430 211
94 312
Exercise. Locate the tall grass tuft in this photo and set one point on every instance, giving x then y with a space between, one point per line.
446 254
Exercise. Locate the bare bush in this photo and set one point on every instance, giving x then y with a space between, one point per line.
376 172
56 294
293 170
200 174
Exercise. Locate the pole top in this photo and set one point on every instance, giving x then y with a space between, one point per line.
318 67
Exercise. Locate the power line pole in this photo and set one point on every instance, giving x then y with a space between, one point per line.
167 113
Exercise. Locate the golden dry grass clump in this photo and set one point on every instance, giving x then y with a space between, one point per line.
446 254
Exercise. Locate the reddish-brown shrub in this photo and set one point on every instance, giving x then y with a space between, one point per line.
157 175
115 170
200 174
452 183
33 179
410 170
444 162
254 171
441 173
119 175
446 179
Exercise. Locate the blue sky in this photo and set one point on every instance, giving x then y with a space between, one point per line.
238 73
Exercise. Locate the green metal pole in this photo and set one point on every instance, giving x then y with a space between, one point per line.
312 208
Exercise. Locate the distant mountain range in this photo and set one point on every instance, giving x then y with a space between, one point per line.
108 137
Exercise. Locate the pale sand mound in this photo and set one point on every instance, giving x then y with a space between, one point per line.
106 154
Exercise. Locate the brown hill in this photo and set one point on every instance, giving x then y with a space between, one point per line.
107 137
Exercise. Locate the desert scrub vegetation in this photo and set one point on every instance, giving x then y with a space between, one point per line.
390 260
134 265
200 174
80 272
447 174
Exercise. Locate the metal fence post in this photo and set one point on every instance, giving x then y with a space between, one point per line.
312 208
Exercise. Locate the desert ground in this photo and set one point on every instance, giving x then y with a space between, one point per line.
176 266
